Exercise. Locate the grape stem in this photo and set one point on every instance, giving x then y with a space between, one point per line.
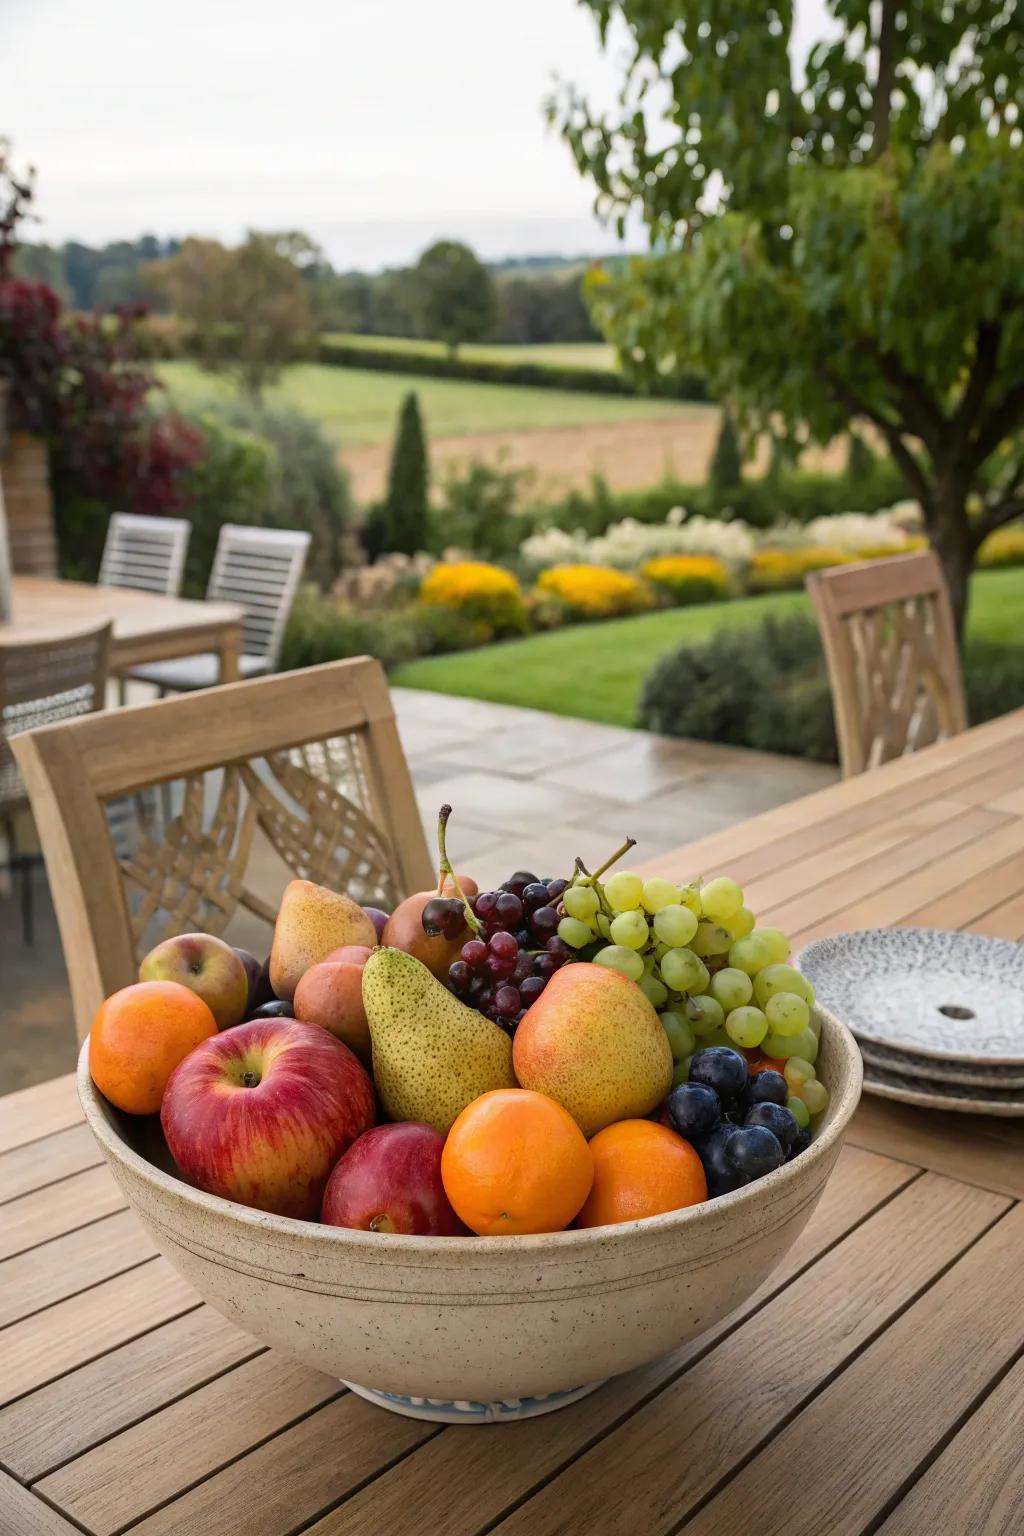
595 878
473 923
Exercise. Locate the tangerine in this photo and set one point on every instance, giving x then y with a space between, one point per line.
516 1162
640 1169
138 1037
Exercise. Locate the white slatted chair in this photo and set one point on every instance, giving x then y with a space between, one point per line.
260 568
146 553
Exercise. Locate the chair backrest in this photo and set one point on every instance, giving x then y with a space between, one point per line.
260 568
147 553
306 766
893 662
45 681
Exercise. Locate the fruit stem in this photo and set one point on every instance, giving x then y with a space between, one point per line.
619 853
472 921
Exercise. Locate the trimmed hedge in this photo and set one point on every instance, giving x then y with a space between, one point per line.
598 381
766 687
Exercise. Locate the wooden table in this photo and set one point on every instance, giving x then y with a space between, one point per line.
146 627
874 1384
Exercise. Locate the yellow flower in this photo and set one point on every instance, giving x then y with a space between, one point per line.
593 591
478 590
689 578
1004 547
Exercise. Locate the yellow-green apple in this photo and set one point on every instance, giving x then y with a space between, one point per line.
311 921
208 967
331 994
390 1181
261 1113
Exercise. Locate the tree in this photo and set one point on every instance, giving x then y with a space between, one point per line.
860 461
247 309
838 250
726 469
400 523
453 294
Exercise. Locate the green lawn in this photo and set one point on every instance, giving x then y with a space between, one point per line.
566 354
359 405
595 671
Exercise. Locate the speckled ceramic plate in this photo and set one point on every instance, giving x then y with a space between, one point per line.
930 1094
960 1075
954 997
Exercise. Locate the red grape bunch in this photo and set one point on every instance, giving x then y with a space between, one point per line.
506 968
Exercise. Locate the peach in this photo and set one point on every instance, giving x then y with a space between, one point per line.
331 994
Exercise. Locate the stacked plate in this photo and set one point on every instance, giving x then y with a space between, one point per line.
939 1017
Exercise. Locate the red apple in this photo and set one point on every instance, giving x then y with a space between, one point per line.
208 967
331 994
261 1113
390 1181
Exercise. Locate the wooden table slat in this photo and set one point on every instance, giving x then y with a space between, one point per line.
66 1418
1006 921
59 1208
988 1153
55 1157
60 1268
977 1484
77 1330
22 1514
31 1113
870 1431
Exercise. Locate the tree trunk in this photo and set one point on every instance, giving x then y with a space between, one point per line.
882 107
950 534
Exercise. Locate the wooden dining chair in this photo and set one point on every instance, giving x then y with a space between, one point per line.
309 762
145 553
260 568
893 662
41 682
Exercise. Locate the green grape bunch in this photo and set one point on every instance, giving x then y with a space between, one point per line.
714 976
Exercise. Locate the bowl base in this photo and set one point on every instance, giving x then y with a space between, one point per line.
438 1410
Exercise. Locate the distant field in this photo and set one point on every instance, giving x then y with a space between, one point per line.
568 354
359 406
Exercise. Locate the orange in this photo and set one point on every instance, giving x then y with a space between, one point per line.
138 1037
757 1062
514 1162
640 1169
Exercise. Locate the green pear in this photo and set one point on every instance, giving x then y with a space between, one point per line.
431 1054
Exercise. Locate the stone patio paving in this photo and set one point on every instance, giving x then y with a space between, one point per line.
527 789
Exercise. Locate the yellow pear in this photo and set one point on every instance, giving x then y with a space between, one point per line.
311 922
431 1054
594 1043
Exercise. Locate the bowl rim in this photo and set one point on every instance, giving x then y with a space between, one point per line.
570 1243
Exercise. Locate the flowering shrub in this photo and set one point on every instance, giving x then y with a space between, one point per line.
630 544
776 570
1004 547
593 591
478 591
855 532
688 578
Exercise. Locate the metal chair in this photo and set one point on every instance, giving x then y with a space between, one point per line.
308 762
147 553
893 662
41 683
260 568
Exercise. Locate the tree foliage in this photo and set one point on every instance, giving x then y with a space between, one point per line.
247 308
453 294
841 248
399 524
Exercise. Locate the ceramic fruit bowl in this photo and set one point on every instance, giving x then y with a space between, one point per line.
476 1329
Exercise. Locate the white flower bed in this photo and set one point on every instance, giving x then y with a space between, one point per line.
628 545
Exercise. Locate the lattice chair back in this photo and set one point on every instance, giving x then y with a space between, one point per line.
893 661
296 775
260 568
147 553
43 682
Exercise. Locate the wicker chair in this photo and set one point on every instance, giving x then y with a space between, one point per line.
260 568
893 663
40 683
147 553
304 770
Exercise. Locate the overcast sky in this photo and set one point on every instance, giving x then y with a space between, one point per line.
374 125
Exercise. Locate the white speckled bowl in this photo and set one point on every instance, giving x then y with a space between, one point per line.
475 1325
